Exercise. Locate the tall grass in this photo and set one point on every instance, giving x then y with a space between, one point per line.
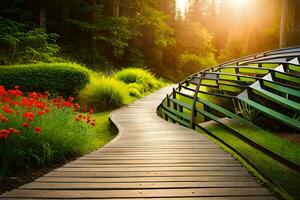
139 76
104 93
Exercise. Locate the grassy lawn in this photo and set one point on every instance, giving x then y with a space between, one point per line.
282 147
287 180
104 131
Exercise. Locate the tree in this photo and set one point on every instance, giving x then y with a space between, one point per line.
283 24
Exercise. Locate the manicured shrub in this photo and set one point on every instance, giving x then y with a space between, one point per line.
139 76
104 93
65 79
35 130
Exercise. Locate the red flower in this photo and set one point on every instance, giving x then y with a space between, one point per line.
77 119
40 112
76 106
14 103
4 133
93 123
15 93
7 110
5 120
91 111
33 95
2 90
39 104
26 102
38 129
71 99
14 131
25 124
28 115
80 116
67 104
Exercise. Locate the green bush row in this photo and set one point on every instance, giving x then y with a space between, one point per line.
106 93
65 79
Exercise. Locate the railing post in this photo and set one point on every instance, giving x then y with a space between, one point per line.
168 105
194 112
174 97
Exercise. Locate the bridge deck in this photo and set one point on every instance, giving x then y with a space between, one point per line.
150 158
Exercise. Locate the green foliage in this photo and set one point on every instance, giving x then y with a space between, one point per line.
234 48
153 21
104 93
60 139
136 89
138 76
191 63
19 45
134 93
65 79
195 39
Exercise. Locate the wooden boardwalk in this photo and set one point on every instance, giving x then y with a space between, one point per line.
149 159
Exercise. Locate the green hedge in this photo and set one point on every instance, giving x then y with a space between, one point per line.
64 79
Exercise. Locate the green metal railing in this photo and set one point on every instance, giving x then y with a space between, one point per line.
265 84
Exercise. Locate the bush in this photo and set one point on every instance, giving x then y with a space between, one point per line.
191 63
35 130
65 79
20 45
104 93
139 76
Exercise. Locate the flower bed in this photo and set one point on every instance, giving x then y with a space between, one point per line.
37 130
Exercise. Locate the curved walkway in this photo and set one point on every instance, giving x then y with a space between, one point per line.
149 159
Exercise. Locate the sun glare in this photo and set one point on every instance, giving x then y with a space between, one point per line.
239 3
181 6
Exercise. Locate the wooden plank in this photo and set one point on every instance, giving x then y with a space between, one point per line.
181 198
120 157
147 174
145 179
224 165
153 193
151 185
109 162
140 169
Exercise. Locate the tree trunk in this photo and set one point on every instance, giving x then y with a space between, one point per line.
116 8
93 19
43 18
282 41
93 13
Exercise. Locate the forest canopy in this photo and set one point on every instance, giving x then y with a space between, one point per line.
172 38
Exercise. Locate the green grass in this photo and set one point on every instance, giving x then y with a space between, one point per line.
282 147
146 80
287 180
104 93
103 131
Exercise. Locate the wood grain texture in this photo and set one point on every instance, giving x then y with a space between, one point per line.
149 159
